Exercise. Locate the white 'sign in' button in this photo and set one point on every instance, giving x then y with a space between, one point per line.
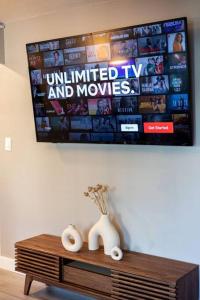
129 127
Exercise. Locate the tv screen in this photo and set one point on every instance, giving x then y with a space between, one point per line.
122 86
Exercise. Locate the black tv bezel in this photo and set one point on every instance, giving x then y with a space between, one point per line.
190 114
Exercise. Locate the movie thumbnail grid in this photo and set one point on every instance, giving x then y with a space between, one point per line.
167 37
104 126
153 104
162 88
160 48
107 129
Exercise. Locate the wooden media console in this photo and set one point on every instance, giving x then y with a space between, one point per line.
138 276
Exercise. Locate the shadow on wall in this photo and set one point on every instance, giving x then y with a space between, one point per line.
194 44
15 90
13 86
8 76
129 236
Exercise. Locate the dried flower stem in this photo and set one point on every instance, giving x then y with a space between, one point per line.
99 195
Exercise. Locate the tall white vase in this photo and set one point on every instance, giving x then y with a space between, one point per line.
106 230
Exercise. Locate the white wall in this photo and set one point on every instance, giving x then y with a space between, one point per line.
156 190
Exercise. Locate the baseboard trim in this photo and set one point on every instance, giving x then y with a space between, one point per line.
7 263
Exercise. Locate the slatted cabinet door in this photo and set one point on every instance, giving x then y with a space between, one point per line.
38 264
127 286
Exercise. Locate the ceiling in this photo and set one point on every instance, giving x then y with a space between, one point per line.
15 10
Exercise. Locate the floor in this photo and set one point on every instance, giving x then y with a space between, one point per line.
11 288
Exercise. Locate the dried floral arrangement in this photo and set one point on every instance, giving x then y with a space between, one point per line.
99 195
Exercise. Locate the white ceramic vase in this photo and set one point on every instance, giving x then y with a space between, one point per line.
71 232
116 253
106 230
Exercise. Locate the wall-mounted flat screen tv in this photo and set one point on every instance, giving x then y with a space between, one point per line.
122 86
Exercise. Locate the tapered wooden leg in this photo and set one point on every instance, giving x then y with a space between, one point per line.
27 284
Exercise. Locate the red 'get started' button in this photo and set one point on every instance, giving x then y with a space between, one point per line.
158 127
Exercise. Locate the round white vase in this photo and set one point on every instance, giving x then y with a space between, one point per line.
106 230
116 253
68 233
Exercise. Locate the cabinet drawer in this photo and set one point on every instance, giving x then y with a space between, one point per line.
91 280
